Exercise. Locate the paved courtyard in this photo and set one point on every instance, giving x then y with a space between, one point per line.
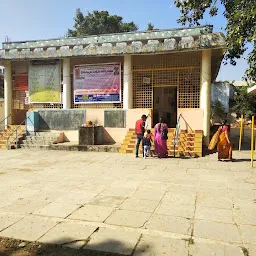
115 203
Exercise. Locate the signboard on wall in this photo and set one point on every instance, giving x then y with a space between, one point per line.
97 83
44 83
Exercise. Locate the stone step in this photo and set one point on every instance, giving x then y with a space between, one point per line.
42 134
37 142
39 138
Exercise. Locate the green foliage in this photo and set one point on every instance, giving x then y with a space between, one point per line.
240 28
99 22
150 26
243 102
217 111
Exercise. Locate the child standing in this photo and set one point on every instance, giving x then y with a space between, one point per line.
146 144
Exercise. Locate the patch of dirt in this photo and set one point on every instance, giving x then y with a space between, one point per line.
15 247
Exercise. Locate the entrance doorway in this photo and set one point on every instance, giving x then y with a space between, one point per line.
165 105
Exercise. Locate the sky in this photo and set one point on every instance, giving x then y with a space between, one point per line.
22 20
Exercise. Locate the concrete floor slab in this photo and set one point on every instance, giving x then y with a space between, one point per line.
92 213
160 246
68 234
31 228
176 209
105 200
216 231
113 241
128 218
171 224
56 209
139 205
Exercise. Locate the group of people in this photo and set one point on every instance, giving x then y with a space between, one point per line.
146 137
220 139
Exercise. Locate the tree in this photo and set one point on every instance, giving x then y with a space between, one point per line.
150 26
240 28
99 22
243 103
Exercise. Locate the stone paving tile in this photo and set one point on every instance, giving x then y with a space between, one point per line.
69 234
248 234
176 209
214 214
74 197
49 195
105 200
57 209
92 213
7 219
139 205
205 249
113 241
30 228
245 216
223 202
216 231
24 206
128 218
172 197
160 246
251 249
169 224
148 194
118 191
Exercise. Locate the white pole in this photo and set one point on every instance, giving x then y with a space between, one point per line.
7 93
205 93
128 86
66 84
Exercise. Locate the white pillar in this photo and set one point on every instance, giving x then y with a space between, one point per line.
7 93
128 88
66 84
205 93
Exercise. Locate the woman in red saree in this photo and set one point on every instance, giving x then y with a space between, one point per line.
224 146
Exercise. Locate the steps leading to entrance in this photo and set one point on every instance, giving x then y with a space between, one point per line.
190 143
40 139
9 136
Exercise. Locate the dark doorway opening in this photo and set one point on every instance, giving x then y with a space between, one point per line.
165 105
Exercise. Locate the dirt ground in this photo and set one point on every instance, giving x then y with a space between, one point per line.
13 247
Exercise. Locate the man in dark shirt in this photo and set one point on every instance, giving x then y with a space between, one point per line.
139 130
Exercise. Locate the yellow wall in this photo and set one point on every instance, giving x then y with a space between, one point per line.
193 118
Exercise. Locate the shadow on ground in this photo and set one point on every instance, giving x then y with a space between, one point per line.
15 247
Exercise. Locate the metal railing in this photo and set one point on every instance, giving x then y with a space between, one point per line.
177 130
5 118
17 134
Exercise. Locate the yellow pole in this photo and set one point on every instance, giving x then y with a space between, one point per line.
241 132
252 142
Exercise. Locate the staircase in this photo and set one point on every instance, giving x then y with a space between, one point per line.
40 139
9 136
189 143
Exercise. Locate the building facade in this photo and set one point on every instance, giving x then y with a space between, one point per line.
162 73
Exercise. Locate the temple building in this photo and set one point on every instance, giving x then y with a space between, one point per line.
113 79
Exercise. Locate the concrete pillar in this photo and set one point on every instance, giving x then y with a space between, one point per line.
128 88
7 93
205 93
66 84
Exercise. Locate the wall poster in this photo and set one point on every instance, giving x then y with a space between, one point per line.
99 83
44 82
